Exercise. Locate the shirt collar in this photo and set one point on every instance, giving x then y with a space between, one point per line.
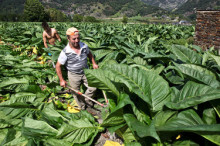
69 50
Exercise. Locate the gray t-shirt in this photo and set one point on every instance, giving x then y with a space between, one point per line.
74 63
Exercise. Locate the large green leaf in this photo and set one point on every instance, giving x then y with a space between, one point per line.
54 118
77 131
148 42
110 56
209 116
155 56
37 129
186 55
200 75
216 106
141 129
187 121
101 53
97 78
3 133
14 83
13 137
12 112
133 144
53 141
115 118
16 110
193 94
151 87
126 134
23 97
216 58
36 41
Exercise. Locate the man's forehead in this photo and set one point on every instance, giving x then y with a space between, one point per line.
74 36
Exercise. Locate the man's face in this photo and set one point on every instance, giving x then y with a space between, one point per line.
74 40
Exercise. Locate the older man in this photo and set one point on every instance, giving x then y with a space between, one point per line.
74 57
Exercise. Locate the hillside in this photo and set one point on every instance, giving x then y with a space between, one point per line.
103 8
97 8
11 6
116 8
189 8
165 4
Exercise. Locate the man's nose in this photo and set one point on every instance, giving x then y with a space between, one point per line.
77 40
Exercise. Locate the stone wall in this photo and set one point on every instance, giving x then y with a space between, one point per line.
208 29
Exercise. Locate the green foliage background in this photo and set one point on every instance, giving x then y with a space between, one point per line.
159 93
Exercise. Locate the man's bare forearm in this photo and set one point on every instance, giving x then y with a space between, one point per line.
91 58
58 37
45 45
59 72
45 42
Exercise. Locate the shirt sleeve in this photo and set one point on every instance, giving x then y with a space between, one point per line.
87 50
62 58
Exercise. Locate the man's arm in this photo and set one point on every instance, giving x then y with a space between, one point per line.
91 58
57 36
59 73
45 40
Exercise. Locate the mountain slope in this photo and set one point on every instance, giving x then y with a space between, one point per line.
97 8
11 6
103 8
165 4
190 7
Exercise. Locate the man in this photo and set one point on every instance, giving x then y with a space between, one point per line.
74 56
50 35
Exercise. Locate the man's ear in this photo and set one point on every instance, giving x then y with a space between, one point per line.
68 37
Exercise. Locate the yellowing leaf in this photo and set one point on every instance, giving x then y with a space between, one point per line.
74 103
71 109
178 137
35 50
42 62
112 143
40 58
67 95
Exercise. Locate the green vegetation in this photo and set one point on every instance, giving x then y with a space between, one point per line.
34 11
13 11
52 11
56 15
159 93
125 19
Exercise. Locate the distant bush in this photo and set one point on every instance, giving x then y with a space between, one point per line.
125 19
90 19
77 18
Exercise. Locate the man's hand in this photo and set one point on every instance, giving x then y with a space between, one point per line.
63 83
95 66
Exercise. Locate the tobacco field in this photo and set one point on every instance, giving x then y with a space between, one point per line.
162 89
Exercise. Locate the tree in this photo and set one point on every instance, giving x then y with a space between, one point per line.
34 11
90 19
125 19
56 15
77 18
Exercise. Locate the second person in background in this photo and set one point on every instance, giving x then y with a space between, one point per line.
50 35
